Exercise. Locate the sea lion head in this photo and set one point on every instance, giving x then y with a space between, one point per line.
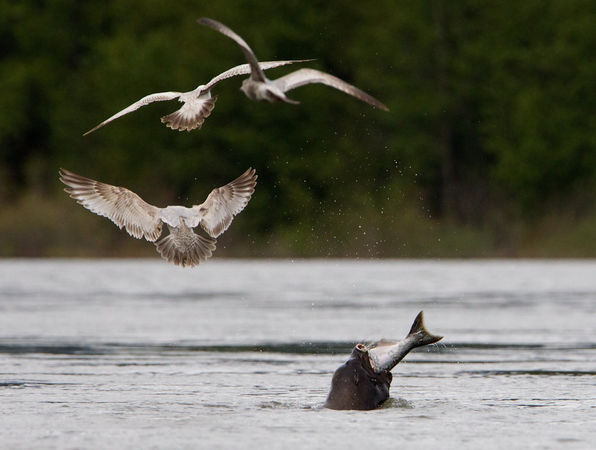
355 385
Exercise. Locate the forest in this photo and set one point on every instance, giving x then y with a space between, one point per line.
488 150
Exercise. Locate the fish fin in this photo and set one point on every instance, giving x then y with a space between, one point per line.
422 335
384 343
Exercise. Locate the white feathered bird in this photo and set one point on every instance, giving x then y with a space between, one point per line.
140 219
197 104
259 87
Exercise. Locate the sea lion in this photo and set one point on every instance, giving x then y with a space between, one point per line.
363 381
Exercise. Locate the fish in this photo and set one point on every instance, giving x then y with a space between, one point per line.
384 355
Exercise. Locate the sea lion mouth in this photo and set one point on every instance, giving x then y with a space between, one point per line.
372 363
363 350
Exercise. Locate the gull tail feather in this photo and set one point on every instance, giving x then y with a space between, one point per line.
186 119
194 250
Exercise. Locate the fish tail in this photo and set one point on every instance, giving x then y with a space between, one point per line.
420 335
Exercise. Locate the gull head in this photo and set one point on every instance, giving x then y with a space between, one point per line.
264 90
202 91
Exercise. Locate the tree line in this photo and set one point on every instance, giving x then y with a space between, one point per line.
489 147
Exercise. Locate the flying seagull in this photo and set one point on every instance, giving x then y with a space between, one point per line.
197 104
140 219
259 87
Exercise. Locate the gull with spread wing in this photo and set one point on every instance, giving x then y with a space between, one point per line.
259 87
197 104
140 219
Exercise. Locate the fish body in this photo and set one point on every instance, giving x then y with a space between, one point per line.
385 354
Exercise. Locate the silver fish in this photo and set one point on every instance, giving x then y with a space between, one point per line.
384 355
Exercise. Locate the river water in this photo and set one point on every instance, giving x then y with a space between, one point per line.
240 353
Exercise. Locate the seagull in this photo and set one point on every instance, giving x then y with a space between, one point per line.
259 87
140 219
197 104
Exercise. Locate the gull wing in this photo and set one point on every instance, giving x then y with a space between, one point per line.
310 76
256 72
159 97
120 205
245 69
225 202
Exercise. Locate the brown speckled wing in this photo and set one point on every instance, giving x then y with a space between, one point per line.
244 69
122 206
159 97
256 71
225 202
310 76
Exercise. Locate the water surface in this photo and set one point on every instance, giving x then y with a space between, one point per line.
240 354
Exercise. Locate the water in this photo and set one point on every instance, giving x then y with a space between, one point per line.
240 354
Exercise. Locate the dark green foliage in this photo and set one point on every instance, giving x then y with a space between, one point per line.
491 126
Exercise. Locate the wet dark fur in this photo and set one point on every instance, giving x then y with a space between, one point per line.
355 385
